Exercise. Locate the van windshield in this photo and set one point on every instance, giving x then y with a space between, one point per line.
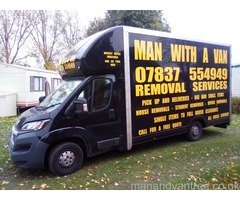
60 94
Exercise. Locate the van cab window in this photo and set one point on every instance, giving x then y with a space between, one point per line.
59 95
97 93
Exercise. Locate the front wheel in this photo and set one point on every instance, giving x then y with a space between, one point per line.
194 131
65 158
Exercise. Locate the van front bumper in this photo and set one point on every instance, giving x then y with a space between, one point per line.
26 150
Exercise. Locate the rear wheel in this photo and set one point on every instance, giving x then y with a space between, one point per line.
65 158
194 131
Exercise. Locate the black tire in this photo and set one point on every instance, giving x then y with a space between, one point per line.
194 131
65 158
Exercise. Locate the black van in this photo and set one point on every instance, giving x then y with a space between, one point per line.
122 87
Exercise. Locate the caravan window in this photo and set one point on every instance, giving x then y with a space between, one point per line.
55 83
37 83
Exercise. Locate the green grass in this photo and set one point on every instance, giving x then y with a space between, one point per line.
173 163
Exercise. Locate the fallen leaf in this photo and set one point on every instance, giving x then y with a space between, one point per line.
43 186
233 164
214 180
191 177
147 171
5 182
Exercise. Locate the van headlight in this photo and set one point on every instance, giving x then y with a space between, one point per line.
34 126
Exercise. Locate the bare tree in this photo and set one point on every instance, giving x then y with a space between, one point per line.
15 29
55 32
46 36
71 30
39 36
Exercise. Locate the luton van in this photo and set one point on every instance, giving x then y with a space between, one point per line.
122 87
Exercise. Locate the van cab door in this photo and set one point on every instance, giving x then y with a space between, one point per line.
101 117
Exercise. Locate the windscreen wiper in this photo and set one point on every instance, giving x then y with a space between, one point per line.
40 108
52 106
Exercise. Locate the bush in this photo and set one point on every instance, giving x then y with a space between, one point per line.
236 105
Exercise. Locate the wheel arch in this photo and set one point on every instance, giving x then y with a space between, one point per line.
202 120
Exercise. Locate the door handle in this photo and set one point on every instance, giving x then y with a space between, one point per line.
111 113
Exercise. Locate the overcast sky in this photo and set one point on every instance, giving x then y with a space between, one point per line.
208 20
213 22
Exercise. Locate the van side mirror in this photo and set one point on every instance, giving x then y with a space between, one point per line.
77 107
80 106
41 99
